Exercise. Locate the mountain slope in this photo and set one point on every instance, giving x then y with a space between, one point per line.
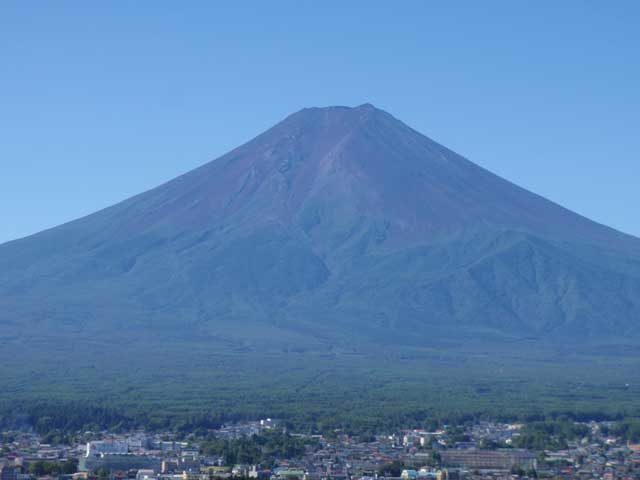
336 225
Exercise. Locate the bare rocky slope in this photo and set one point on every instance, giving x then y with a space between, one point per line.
337 226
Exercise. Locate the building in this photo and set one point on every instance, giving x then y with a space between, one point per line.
409 475
10 473
144 474
117 462
289 474
488 459
107 447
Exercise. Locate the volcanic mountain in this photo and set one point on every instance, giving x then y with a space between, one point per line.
337 225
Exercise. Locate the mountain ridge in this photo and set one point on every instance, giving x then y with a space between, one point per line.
335 220
367 109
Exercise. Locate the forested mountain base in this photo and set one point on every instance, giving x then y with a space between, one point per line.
96 385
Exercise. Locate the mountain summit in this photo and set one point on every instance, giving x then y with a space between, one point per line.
337 225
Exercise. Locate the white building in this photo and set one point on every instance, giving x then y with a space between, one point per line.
100 447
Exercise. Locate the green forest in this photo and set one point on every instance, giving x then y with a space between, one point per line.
167 387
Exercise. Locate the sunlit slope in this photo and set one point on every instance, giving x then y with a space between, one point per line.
337 226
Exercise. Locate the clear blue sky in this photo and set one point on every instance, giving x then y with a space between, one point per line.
102 100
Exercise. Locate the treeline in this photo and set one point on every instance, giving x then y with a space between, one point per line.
256 449
628 429
61 418
57 420
550 435
40 468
